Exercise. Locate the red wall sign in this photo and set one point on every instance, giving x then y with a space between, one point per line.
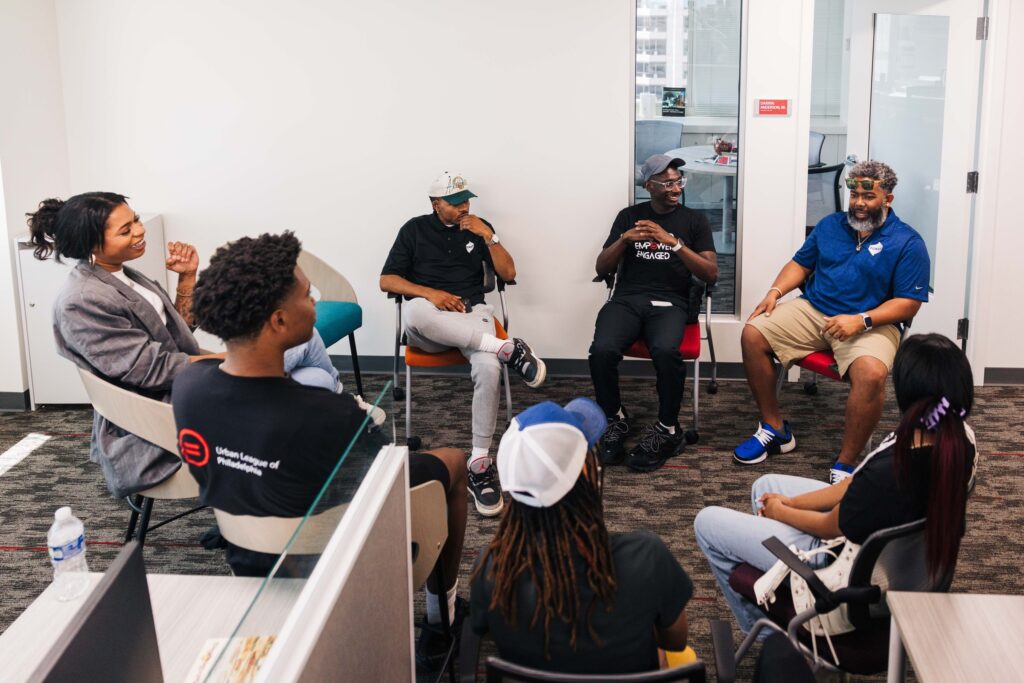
773 107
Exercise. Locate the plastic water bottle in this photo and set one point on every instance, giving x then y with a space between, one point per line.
66 541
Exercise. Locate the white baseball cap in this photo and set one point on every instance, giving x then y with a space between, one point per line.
451 187
541 455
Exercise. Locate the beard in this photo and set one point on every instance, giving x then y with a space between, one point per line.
873 221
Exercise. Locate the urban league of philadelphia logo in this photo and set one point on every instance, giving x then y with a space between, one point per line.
193 448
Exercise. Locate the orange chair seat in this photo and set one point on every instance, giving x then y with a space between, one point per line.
418 358
689 348
822 363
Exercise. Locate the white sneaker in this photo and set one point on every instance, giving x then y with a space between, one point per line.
377 414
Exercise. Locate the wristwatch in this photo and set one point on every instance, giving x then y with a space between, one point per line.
867 321
679 245
494 239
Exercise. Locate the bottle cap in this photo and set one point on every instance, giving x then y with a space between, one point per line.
62 514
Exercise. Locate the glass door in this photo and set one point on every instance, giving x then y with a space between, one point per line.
912 103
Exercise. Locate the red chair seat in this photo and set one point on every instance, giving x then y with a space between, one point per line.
822 363
418 358
689 348
862 652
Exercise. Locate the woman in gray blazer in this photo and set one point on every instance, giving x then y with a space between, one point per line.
117 323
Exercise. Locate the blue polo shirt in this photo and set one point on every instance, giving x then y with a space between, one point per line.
892 263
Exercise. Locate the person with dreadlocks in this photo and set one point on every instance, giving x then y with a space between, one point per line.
554 588
925 469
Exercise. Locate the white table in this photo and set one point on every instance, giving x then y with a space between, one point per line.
695 157
957 636
188 610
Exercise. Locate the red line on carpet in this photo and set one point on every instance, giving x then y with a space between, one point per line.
1008 455
676 467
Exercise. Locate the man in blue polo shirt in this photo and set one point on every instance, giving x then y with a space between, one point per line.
870 273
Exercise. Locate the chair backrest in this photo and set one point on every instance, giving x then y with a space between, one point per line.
428 513
656 136
823 196
144 417
892 559
816 142
271 534
500 670
333 285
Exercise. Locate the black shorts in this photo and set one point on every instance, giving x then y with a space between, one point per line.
423 467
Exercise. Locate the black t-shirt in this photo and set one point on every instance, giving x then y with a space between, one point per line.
652 591
651 267
431 254
875 499
260 446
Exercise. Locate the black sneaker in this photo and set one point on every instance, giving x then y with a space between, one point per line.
486 491
528 366
612 446
655 447
432 645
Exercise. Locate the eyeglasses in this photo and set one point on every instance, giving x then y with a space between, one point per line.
852 183
669 184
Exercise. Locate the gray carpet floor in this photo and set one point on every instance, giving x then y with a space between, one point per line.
58 473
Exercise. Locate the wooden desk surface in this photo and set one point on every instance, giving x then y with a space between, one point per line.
188 610
960 636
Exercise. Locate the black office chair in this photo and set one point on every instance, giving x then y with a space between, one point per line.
814 146
823 196
890 559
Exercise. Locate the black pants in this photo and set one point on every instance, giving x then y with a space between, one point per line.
621 322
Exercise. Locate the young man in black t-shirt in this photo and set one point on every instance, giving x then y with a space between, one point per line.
258 442
655 246
436 263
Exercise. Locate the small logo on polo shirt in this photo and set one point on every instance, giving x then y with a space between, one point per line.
875 248
469 247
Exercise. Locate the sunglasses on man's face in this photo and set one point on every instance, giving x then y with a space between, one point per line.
854 183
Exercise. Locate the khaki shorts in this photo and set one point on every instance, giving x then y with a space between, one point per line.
794 332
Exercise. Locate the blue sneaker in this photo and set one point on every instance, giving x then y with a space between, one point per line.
839 471
765 441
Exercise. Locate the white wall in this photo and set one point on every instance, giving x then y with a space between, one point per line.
997 320
33 149
233 118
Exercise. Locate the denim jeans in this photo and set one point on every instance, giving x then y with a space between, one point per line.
309 364
729 538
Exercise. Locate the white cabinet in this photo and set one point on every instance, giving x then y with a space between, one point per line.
52 378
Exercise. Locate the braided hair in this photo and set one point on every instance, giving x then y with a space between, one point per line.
542 543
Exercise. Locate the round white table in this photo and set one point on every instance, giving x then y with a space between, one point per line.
700 159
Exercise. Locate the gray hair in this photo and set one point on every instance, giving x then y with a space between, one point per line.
881 172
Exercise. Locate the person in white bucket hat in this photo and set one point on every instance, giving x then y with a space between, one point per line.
555 590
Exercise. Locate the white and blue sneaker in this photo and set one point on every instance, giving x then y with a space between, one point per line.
839 471
765 441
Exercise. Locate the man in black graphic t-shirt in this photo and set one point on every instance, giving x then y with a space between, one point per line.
655 246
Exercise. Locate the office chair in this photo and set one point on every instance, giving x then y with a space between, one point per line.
418 358
823 197
890 559
338 313
816 142
152 421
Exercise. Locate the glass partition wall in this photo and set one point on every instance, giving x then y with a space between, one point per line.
687 100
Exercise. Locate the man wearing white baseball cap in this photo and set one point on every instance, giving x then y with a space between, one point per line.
436 263
556 591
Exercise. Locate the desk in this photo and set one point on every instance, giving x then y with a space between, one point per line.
694 157
957 636
187 610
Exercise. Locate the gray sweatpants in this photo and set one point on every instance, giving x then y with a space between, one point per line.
434 331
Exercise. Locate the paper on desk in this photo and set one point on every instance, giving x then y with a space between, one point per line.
239 664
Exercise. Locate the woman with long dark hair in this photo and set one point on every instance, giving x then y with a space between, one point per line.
556 591
112 320
923 469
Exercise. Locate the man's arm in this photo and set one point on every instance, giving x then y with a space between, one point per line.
703 264
897 310
504 266
789 278
443 301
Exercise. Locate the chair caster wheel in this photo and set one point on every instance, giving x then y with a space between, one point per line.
811 388
414 443
692 437
712 387
398 393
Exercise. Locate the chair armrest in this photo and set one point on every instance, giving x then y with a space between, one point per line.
725 658
608 279
469 653
501 284
396 297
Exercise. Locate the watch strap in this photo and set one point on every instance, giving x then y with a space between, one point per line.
679 245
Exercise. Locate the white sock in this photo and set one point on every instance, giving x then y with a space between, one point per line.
434 605
621 415
670 430
491 344
479 459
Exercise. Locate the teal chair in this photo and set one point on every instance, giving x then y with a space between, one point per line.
338 313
